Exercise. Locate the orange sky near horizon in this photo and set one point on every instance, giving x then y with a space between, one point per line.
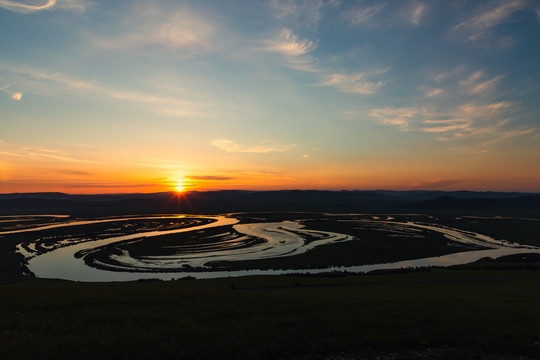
101 179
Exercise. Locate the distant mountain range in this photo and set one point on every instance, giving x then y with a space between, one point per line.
376 201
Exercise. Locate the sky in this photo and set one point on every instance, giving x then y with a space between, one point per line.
147 96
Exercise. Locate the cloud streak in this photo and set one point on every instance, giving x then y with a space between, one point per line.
262 148
358 83
416 15
307 13
484 123
44 154
21 7
176 29
36 6
209 178
436 184
475 84
364 15
295 51
481 25
434 92
163 105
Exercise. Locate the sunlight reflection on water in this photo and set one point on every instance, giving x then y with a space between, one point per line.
281 239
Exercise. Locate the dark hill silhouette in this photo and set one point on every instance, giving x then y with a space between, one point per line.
212 202
450 202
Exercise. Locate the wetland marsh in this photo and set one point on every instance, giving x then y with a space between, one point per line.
200 246
311 312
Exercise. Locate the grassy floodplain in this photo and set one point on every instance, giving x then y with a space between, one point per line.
445 313
486 310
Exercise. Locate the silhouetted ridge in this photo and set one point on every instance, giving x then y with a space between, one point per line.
447 202
226 201
450 202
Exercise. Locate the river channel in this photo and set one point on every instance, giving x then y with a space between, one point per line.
283 238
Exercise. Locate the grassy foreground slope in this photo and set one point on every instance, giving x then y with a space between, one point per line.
458 313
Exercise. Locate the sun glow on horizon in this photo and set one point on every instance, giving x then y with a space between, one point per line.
180 184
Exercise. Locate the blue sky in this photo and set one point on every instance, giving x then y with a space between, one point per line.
121 96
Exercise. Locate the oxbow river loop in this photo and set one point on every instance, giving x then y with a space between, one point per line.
236 242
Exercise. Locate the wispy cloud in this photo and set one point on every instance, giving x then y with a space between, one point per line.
36 6
382 15
52 154
437 184
293 49
434 92
481 24
485 111
263 148
364 15
401 117
485 123
14 95
501 136
209 177
475 83
7 153
71 172
163 105
416 14
178 29
358 83
284 8
18 6
442 76
102 185
306 13
43 153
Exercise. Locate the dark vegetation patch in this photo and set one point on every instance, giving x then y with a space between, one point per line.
373 244
14 223
525 231
208 319
189 243
51 238
509 262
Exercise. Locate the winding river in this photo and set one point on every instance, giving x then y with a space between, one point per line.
283 238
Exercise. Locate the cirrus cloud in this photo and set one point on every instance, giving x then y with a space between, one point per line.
58 82
209 177
484 123
261 148
358 83
176 29
36 6
294 50
481 24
